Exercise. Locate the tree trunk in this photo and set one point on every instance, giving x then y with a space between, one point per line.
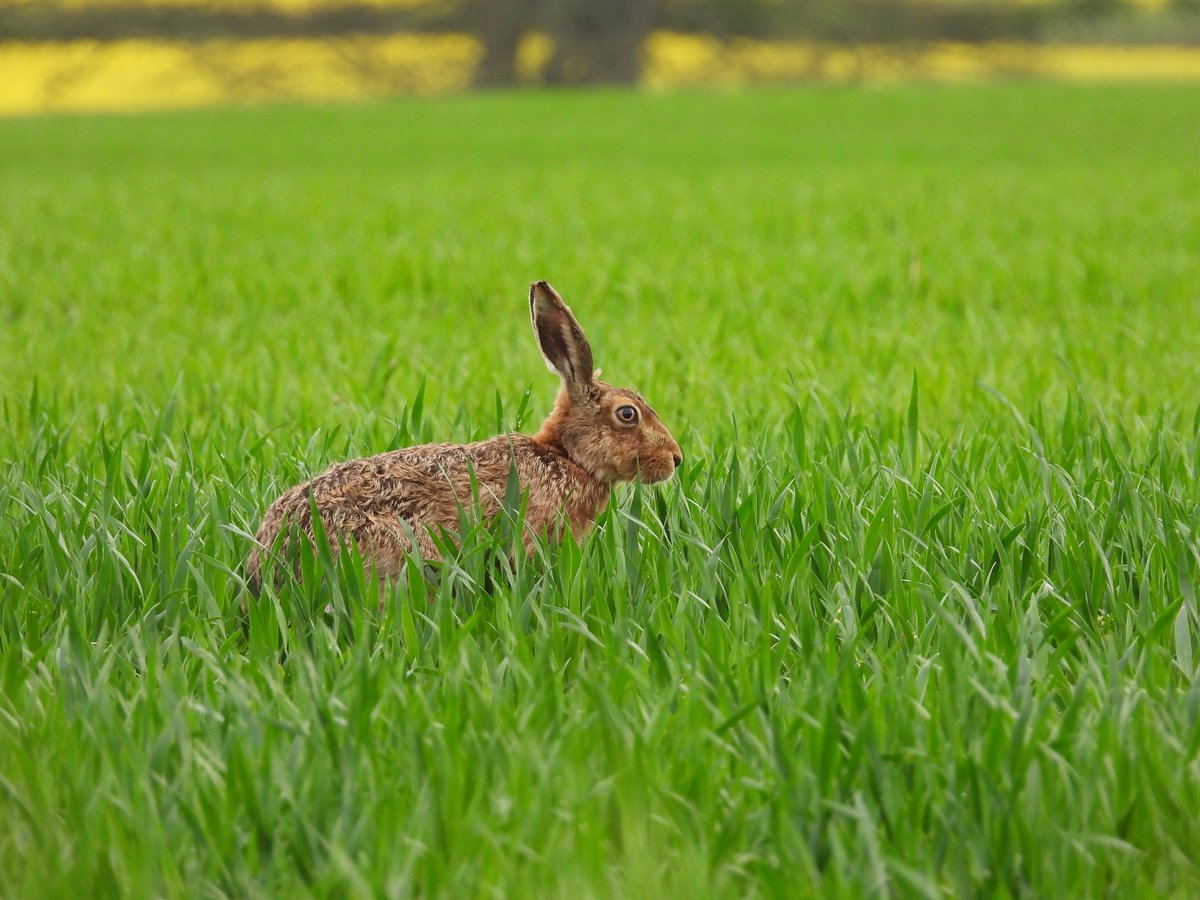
500 25
599 41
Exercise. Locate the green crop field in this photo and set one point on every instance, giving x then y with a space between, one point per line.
918 616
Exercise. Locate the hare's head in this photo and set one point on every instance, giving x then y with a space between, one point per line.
611 432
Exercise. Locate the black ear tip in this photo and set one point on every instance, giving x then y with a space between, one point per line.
541 291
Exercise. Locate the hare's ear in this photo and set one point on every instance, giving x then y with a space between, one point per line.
559 337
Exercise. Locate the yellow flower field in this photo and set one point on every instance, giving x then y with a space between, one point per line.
151 74
676 60
146 74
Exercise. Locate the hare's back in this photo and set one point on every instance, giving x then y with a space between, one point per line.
402 483
434 479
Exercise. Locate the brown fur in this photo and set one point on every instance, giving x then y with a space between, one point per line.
566 471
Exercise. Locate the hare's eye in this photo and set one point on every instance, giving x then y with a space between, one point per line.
627 414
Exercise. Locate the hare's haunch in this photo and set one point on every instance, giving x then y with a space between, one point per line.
596 435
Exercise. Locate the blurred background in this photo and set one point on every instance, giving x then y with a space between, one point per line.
122 54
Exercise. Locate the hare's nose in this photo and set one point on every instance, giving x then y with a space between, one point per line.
678 457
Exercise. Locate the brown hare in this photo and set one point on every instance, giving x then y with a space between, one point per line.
595 436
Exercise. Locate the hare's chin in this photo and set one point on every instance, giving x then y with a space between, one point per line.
656 475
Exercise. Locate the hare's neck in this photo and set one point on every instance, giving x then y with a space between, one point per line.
552 438
551 433
549 437
588 495
550 441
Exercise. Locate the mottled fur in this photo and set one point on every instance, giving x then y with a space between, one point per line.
566 470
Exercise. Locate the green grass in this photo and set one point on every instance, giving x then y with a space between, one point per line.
918 617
